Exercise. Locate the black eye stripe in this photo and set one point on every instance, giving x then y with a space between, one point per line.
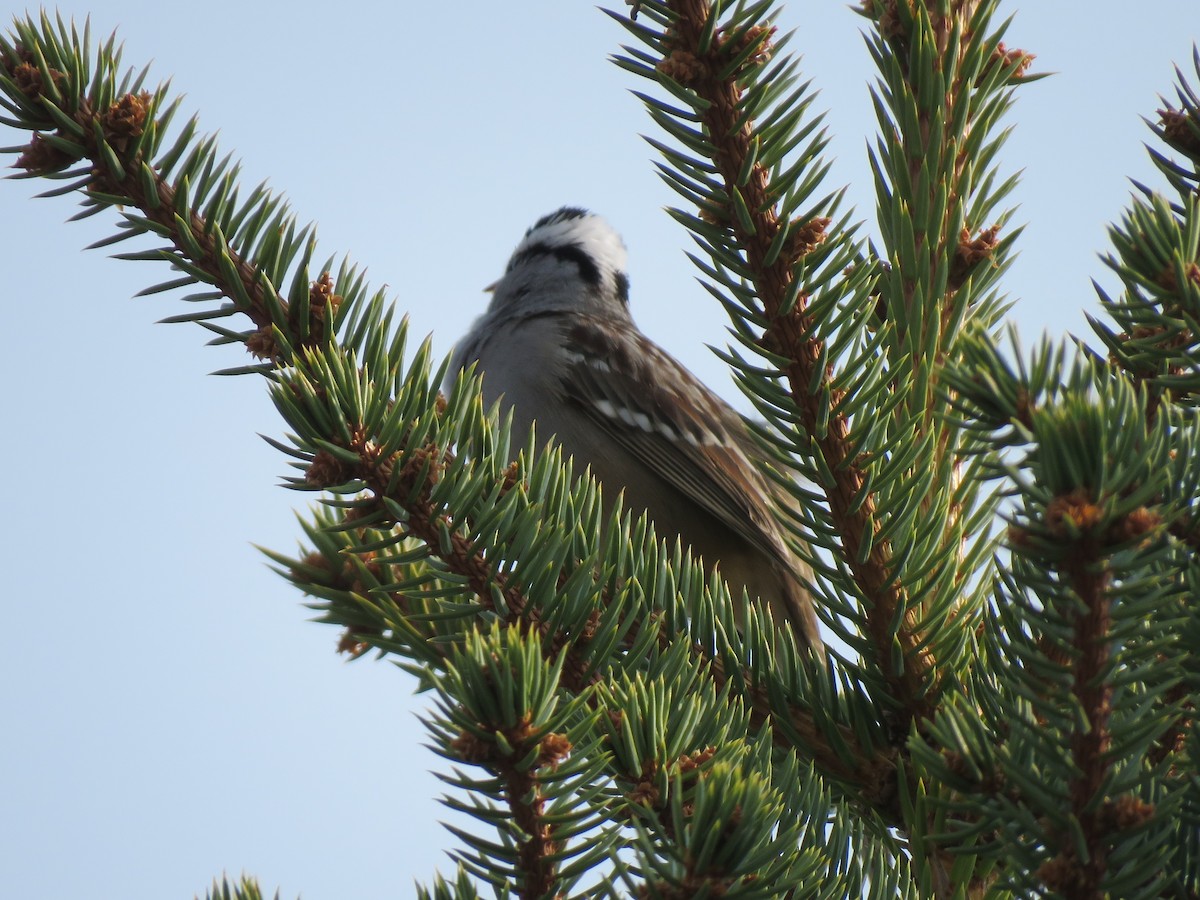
623 287
588 270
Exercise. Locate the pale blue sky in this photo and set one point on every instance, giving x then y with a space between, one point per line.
167 710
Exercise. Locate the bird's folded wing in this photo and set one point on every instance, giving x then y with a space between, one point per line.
658 411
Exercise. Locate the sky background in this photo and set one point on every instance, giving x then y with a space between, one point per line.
167 711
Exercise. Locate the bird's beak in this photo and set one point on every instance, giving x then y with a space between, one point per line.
491 287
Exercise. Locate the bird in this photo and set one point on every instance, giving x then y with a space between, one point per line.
557 346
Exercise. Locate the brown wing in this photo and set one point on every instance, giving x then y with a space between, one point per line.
658 411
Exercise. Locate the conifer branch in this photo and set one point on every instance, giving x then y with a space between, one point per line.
791 333
695 58
944 83
1156 338
107 137
871 775
341 571
619 714
1080 875
109 149
243 889
304 340
1096 591
500 711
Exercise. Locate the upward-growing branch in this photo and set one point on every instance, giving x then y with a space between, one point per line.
945 83
700 60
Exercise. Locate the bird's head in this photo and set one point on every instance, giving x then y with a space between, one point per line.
569 260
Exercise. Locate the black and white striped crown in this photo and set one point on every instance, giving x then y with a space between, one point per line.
574 236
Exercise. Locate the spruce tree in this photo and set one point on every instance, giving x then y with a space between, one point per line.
1004 540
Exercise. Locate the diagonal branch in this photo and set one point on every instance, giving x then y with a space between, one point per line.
111 144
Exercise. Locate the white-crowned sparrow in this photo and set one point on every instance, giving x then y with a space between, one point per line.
558 346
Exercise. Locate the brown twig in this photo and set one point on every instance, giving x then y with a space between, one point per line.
537 859
1072 875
